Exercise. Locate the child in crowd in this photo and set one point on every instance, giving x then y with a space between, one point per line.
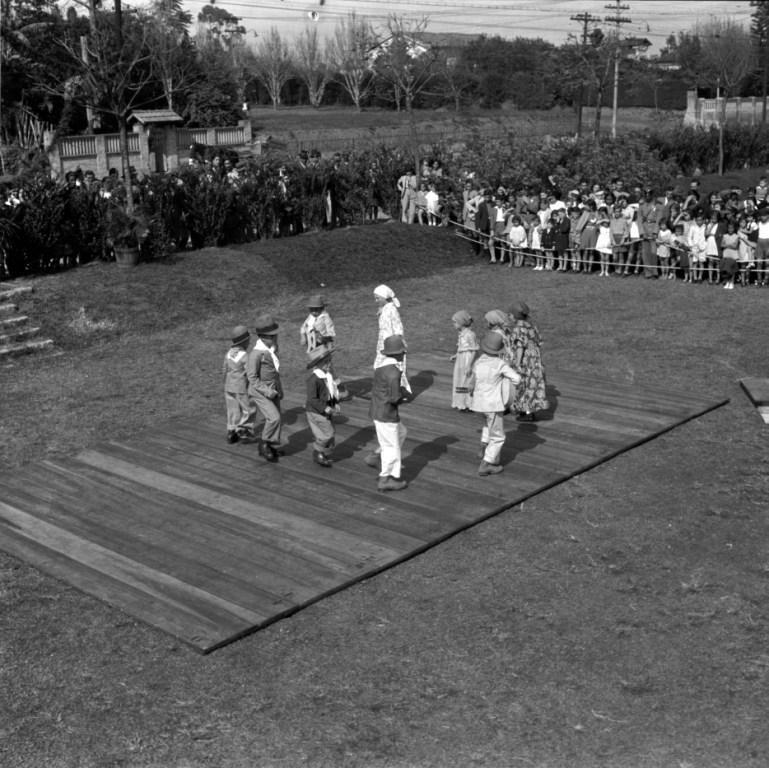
619 227
488 373
574 237
679 252
762 245
386 395
318 327
433 206
517 239
239 411
730 253
467 346
544 257
697 248
713 233
322 403
531 394
264 386
746 251
664 241
634 242
561 239
603 245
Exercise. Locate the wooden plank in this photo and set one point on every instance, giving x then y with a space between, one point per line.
757 390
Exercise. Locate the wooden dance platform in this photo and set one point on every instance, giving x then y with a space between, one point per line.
208 542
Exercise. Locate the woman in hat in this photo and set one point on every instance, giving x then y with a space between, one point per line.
531 395
322 402
489 371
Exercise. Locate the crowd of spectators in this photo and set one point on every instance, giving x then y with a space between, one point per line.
605 229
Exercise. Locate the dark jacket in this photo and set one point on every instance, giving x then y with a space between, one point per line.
386 393
318 398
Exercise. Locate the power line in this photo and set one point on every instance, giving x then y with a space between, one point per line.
618 20
585 19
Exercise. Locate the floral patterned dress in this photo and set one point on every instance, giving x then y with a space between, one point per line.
531 392
467 346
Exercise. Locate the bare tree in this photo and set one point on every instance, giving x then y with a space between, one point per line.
273 65
728 57
312 65
404 60
350 54
455 77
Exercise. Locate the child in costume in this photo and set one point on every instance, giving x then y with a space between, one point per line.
467 346
239 410
318 327
387 393
322 403
488 373
531 395
264 386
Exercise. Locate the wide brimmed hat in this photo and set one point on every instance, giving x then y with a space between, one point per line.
495 317
316 301
519 310
240 334
492 343
462 317
393 345
265 325
318 355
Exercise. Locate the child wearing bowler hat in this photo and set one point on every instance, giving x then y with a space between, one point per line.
387 393
318 327
488 373
264 387
322 403
239 410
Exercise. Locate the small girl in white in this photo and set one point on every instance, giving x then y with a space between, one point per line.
517 239
603 244
697 249
664 241
467 346
433 213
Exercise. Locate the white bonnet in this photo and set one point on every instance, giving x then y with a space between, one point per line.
385 292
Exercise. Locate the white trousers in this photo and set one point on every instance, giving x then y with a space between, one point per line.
391 435
493 435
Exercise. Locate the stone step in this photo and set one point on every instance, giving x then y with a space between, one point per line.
25 347
12 322
11 335
6 309
14 292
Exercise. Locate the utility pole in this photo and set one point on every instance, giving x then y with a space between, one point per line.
584 19
618 21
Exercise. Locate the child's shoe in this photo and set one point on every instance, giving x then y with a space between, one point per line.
321 459
489 469
267 452
232 436
390 483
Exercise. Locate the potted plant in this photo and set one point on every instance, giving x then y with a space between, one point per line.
125 234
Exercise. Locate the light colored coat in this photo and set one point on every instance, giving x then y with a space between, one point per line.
489 373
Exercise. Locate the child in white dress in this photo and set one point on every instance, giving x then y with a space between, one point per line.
603 245
467 346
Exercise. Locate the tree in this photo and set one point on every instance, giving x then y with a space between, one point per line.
350 53
312 65
454 77
217 23
272 64
759 30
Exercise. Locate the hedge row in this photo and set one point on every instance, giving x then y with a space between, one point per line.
57 225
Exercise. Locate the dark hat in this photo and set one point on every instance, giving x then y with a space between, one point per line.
492 343
316 301
318 355
265 325
519 310
240 334
393 345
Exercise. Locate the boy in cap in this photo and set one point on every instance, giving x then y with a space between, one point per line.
239 410
322 403
318 328
386 395
488 373
264 387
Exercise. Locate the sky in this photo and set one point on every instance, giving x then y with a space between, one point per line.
547 19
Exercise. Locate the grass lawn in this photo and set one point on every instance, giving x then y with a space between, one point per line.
618 620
